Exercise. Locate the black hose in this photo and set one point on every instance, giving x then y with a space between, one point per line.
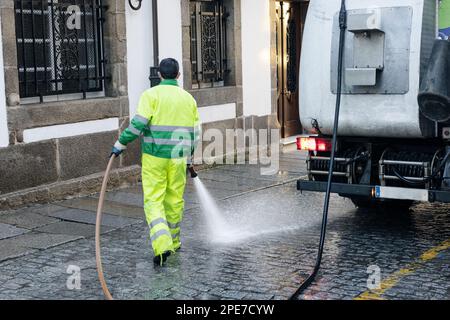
425 179
441 166
407 181
312 276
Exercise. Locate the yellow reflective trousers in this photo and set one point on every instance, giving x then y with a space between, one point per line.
163 182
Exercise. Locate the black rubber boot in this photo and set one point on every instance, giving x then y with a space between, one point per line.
159 260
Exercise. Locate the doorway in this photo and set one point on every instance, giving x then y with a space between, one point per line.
290 21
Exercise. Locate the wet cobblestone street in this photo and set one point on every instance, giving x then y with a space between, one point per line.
411 250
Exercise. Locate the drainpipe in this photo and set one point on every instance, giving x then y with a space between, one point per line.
154 78
283 76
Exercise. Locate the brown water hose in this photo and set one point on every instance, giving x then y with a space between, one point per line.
98 258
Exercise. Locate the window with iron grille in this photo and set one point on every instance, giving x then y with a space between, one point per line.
59 47
208 43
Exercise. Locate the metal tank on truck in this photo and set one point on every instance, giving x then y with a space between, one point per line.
393 138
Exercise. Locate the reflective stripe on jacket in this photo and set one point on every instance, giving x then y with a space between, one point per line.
168 121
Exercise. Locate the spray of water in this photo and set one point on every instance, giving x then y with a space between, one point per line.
219 229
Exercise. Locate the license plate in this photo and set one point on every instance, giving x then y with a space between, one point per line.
401 193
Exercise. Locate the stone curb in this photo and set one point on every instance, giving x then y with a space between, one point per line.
83 186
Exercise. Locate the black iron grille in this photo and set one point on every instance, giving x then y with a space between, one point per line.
291 34
208 42
59 46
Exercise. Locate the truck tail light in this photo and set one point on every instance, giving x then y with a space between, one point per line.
313 144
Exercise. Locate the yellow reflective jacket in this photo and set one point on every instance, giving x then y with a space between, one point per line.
167 119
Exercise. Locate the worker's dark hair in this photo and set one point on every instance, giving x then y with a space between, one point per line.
169 68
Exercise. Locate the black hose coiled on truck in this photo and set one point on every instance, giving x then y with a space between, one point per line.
312 276
434 175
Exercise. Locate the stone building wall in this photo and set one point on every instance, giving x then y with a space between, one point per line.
57 168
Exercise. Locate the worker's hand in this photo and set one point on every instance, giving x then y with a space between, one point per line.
117 149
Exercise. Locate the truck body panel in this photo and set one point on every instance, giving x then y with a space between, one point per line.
383 113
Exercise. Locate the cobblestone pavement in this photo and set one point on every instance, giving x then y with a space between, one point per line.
39 244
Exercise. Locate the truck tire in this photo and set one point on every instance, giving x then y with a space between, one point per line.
368 203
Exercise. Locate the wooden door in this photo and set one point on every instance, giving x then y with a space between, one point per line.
291 17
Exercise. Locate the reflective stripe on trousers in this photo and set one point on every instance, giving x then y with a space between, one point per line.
157 221
161 220
160 233
174 225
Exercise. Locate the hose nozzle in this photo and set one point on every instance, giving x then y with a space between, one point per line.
192 171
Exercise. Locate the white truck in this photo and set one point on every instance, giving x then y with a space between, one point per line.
393 141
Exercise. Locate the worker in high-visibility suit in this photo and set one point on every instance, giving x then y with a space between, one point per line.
168 121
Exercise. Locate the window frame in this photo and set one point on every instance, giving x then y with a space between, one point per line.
202 77
54 78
